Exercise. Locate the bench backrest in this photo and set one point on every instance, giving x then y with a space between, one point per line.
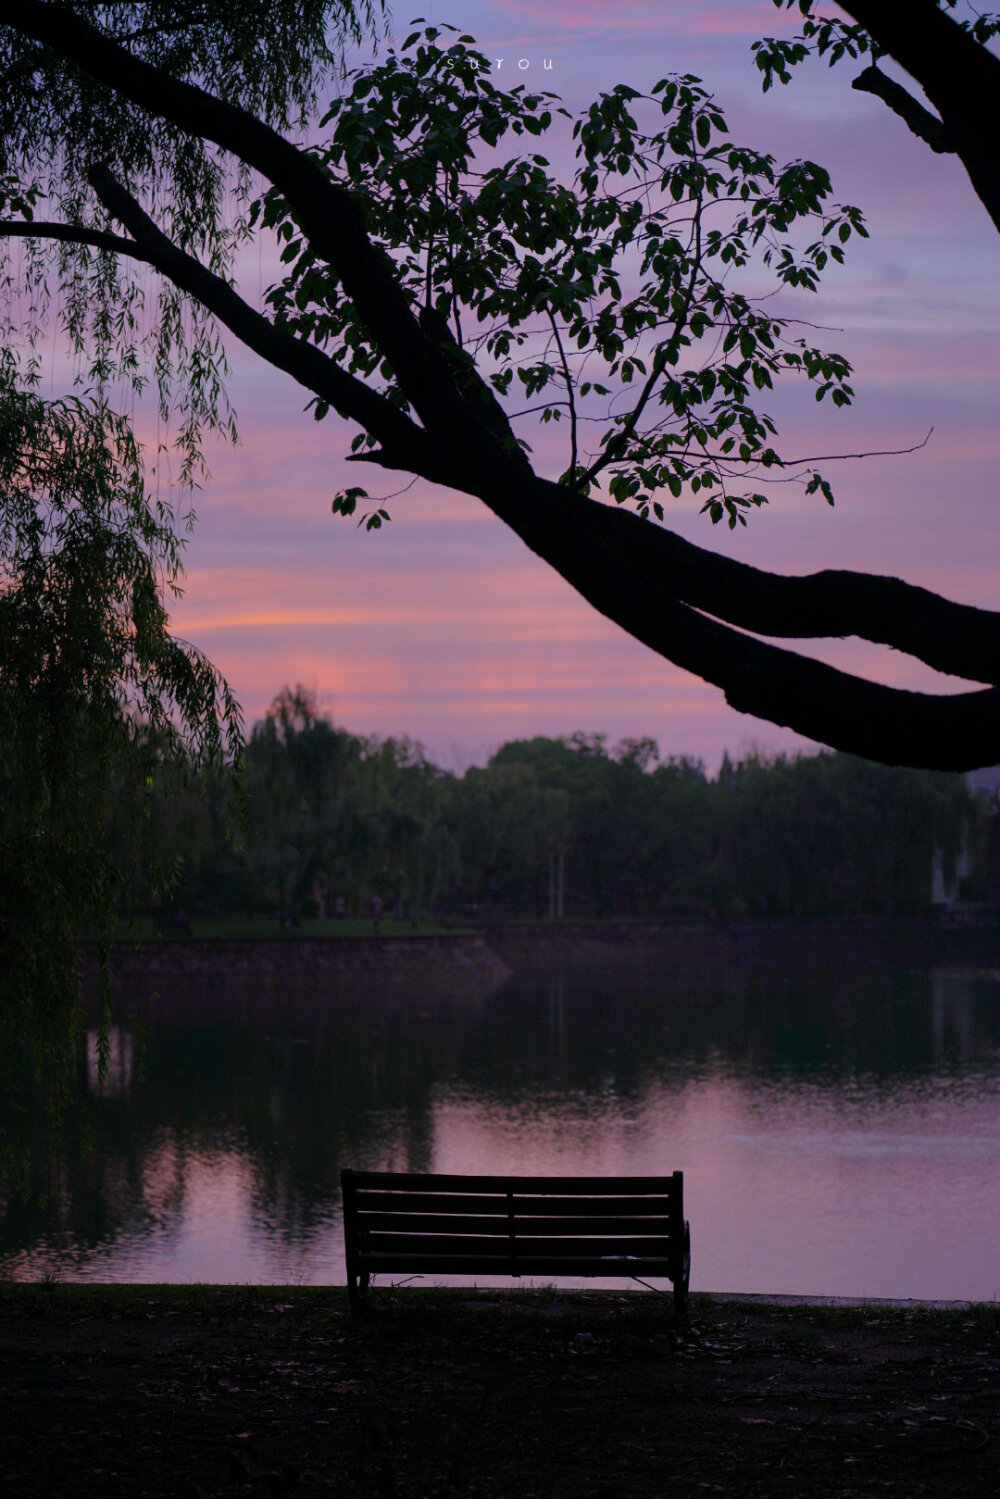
523 1225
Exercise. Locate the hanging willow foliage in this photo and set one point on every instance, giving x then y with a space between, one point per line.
97 698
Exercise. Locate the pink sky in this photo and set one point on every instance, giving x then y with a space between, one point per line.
444 627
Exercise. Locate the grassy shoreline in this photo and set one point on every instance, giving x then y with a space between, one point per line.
47 1293
207 929
266 929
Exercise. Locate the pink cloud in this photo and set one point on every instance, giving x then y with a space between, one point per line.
585 18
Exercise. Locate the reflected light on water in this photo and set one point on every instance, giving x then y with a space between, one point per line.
790 1188
838 1139
794 1188
196 1217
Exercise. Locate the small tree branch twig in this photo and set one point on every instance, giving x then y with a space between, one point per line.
568 378
619 441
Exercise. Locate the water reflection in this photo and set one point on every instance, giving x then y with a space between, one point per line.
953 1012
839 1130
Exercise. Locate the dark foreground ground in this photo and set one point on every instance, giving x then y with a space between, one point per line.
516 1395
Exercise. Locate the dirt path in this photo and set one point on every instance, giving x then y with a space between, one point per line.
147 1391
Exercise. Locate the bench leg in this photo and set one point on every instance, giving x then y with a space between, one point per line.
683 1280
357 1289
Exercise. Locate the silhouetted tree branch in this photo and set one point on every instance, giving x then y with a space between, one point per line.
920 120
959 75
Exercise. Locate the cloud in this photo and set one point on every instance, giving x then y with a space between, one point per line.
584 19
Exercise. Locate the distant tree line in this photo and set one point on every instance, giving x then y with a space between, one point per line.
336 822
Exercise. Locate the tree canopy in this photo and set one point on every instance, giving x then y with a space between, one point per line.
577 823
431 282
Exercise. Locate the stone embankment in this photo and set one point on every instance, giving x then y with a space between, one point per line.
451 964
479 961
704 945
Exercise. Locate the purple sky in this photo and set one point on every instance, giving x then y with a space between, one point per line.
445 627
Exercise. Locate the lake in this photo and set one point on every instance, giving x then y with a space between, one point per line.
838 1123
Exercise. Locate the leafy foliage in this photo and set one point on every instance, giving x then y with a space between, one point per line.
834 38
628 301
56 122
329 814
96 697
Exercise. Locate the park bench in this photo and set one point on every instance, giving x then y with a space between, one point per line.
632 1226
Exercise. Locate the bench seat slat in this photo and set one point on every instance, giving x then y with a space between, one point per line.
540 1207
481 1264
469 1244
456 1223
601 1186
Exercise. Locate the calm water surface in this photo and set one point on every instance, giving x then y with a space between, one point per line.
839 1133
